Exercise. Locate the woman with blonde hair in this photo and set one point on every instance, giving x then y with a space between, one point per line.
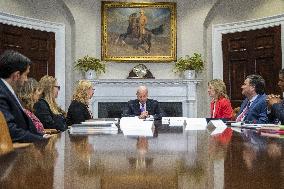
28 95
220 105
78 110
46 109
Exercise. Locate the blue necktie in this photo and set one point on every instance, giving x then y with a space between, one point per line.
142 109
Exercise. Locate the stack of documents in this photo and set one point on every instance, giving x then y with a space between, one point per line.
244 125
94 127
133 126
269 130
276 131
102 120
252 126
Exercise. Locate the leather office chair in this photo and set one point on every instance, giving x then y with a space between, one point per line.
6 144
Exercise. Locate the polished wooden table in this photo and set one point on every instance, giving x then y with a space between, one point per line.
191 159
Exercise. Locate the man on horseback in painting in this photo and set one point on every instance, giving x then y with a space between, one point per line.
133 27
138 33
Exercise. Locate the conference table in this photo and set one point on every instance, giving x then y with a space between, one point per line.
172 158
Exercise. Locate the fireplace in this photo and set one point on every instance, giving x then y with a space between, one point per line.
115 109
176 97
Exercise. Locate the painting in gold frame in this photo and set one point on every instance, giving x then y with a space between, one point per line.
138 32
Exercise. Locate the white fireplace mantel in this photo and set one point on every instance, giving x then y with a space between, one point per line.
163 90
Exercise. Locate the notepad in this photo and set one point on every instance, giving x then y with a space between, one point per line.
133 126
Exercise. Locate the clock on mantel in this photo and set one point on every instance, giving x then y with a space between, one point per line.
140 71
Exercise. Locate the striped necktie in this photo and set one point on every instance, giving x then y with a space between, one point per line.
243 114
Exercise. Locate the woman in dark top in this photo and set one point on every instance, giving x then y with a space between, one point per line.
78 110
46 109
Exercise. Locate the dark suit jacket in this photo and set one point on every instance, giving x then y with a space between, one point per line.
257 112
77 113
20 125
48 118
152 106
277 112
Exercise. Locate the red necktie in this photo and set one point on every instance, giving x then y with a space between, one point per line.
245 110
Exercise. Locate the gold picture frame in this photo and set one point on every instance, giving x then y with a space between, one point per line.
138 32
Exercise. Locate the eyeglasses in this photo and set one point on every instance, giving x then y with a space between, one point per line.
57 86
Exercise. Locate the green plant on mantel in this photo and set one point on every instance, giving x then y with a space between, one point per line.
194 62
90 63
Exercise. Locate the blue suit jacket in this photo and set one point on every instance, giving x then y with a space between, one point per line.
20 125
152 106
257 112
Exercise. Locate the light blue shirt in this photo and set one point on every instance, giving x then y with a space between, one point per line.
251 100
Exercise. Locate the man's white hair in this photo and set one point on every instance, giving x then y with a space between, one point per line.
142 89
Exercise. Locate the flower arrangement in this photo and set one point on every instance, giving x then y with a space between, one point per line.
90 63
194 62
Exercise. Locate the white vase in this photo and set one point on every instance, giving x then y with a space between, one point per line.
189 74
90 75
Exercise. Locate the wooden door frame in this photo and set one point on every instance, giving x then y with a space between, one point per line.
219 29
42 25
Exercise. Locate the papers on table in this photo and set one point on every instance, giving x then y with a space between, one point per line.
133 126
85 129
269 126
216 126
102 121
219 126
133 122
138 132
150 118
236 124
174 121
252 126
94 127
196 124
98 123
273 135
276 131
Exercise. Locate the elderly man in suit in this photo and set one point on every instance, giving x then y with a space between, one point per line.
142 106
275 104
253 108
14 68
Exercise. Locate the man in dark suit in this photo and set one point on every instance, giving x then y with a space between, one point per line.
142 106
14 68
253 108
275 104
